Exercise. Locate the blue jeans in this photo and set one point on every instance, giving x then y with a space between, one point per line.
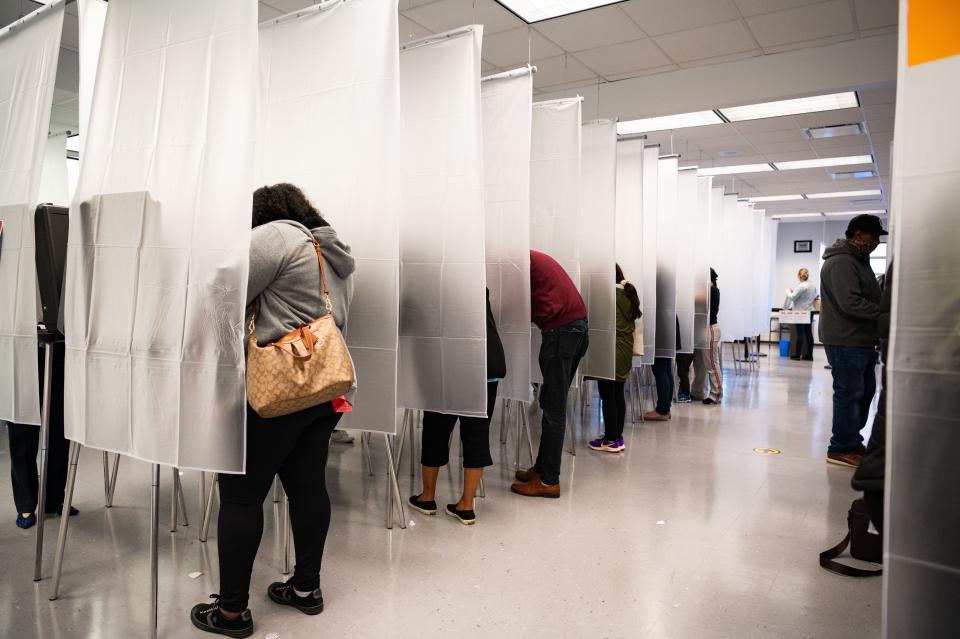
854 384
663 374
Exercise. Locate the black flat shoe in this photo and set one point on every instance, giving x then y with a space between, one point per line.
283 594
207 617
465 517
425 507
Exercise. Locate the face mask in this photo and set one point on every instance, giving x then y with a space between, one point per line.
864 248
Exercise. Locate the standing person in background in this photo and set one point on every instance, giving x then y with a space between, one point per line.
848 330
474 440
801 299
612 401
706 362
663 376
684 360
559 312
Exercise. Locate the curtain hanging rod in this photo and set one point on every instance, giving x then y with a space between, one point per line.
33 15
439 37
514 73
578 98
320 7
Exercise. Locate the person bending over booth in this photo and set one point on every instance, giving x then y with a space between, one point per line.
559 312
474 440
285 290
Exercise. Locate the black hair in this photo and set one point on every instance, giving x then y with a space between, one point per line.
284 201
632 296
713 275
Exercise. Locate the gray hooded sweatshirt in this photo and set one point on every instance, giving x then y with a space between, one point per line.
284 277
850 298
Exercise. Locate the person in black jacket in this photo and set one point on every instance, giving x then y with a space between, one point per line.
474 438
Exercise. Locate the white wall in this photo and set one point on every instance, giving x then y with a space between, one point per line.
788 263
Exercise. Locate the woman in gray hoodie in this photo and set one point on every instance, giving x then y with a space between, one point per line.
285 288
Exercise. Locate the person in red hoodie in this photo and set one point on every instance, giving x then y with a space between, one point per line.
559 312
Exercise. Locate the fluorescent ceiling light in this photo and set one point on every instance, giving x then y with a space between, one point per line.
821 196
816 163
776 198
812 104
668 122
537 10
735 168
783 215
73 143
845 213
835 131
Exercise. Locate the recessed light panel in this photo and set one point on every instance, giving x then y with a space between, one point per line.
812 104
776 198
822 196
785 215
537 10
668 122
735 168
836 131
815 163
852 213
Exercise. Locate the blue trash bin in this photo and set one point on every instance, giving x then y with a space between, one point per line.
784 348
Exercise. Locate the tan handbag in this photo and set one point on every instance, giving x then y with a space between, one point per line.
638 337
307 367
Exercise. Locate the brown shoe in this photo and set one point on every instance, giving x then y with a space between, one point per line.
536 488
850 460
526 475
654 416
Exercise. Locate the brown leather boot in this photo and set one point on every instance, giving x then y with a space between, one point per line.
525 475
536 488
654 416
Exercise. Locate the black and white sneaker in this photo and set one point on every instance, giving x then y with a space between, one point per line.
426 507
465 517
207 617
284 594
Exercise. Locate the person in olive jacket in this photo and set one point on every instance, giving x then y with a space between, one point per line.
474 439
612 402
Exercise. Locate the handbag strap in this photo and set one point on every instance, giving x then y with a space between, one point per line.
323 276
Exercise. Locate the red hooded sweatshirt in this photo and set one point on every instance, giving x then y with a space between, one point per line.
554 299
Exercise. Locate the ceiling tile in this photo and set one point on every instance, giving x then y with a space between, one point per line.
487 67
829 118
707 42
707 132
624 57
803 23
591 29
881 125
756 7
726 143
286 6
880 111
873 14
733 57
782 147
657 17
806 44
886 95
785 123
560 71
266 12
511 48
445 15
70 36
642 72
827 147
772 137
410 30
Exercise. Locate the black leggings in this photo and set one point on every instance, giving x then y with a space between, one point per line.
614 407
295 447
474 436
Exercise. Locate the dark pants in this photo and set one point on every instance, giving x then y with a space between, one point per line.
854 384
614 406
25 443
474 436
684 361
663 374
560 354
803 344
295 447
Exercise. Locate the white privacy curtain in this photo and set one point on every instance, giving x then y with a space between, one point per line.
702 239
629 246
332 127
53 180
686 264
555 192
597 231
507 112
28 66
159 236
93 14
651 167
717 249
443 359
666 344
731 302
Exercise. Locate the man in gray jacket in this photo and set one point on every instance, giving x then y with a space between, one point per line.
850 301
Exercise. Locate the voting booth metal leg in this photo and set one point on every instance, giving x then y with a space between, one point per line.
285 533
208 508
64 521
393 488
276 489
365 445
503 420
44 445
155 544
111 478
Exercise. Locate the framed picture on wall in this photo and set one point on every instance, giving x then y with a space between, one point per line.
803 246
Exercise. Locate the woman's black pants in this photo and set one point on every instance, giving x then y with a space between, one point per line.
614 407
294 447
474 436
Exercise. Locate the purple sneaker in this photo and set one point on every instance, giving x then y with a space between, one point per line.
606 445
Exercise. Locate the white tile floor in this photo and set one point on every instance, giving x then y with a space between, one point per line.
688 534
